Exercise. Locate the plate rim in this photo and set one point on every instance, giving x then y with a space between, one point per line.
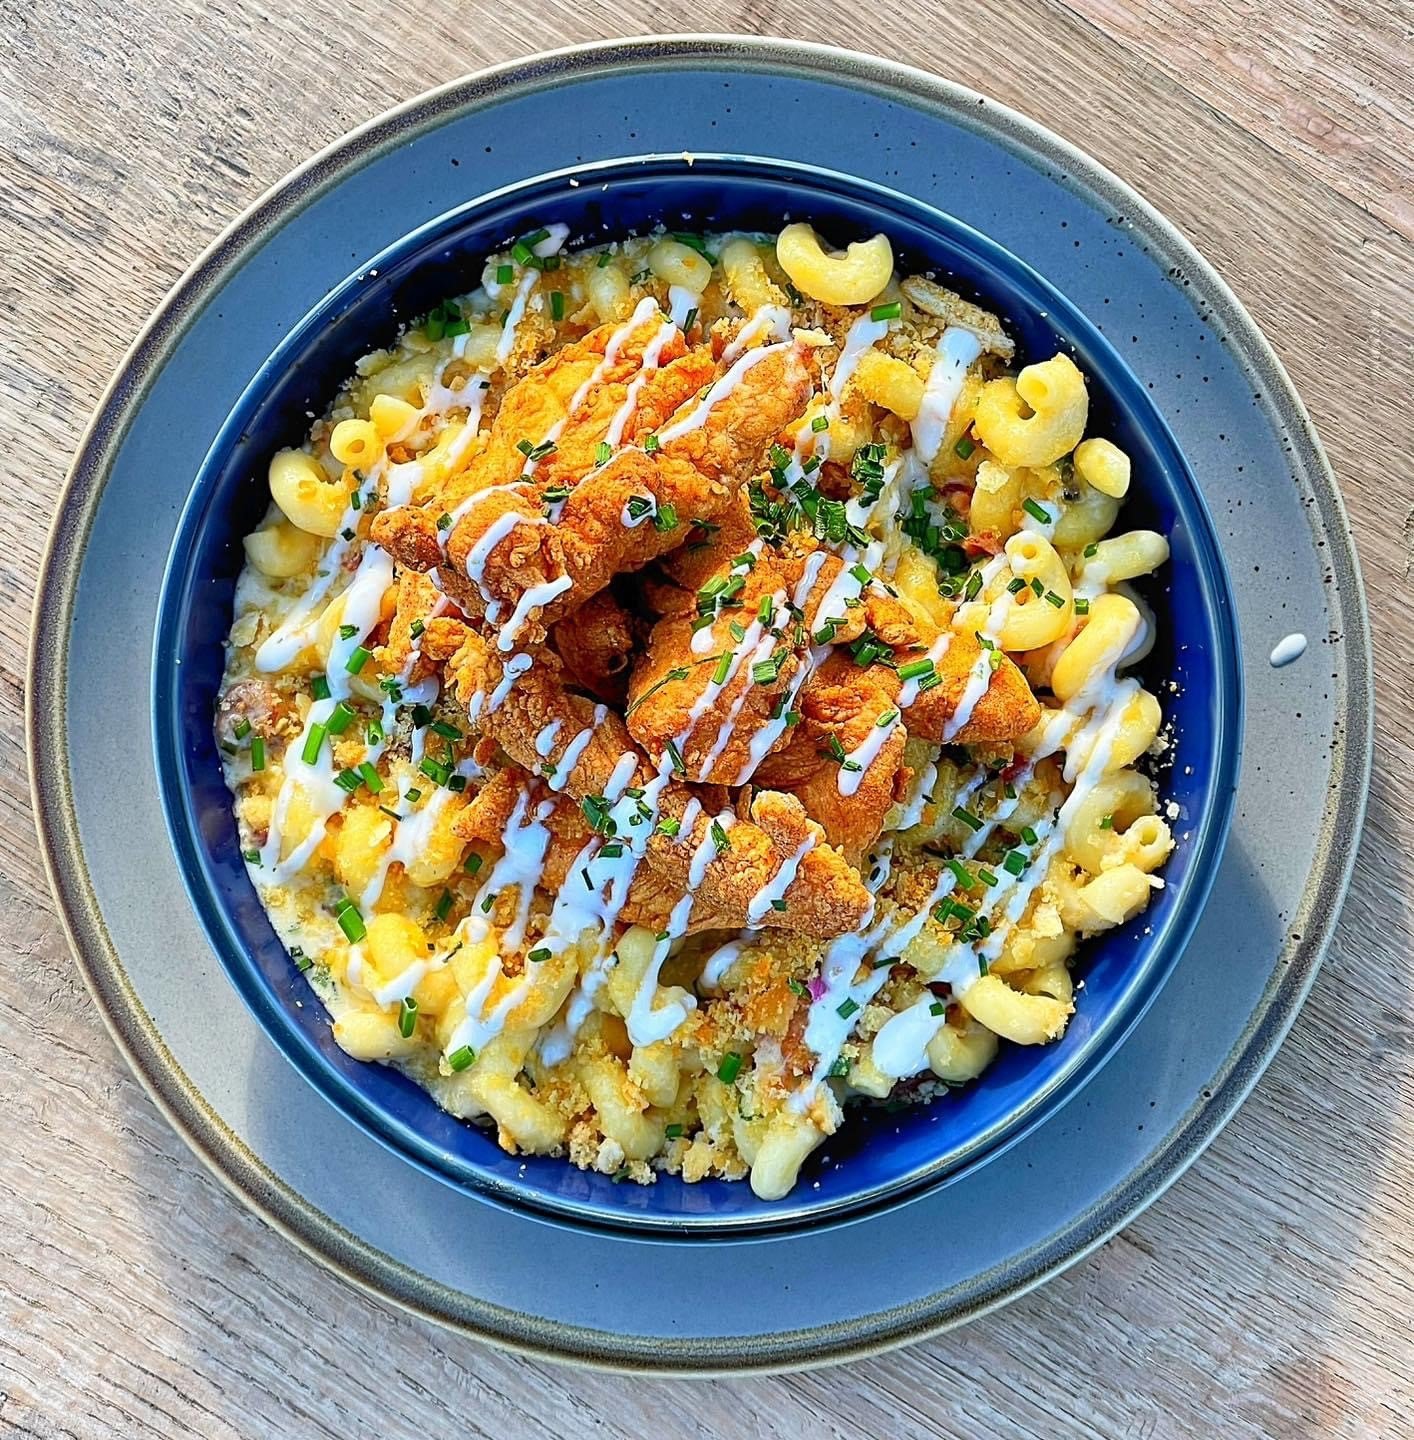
239 1170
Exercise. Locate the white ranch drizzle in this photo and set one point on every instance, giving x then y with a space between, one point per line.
717 392
652 353
536 597
545 739
774 320
681 303
955 352
514 315
775 888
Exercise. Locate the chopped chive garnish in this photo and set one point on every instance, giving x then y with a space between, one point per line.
666 519
435 770
557 306
1090 551
351 922
720 838
891 311
1015 584
348 780
797 988
447 732
473 863
347 632
730 1067
462 1058
737 631
390 812
1037 588
407 1017
839 1068
521 253
612 851
639 506
505 274
370 777
1051 598
674 1131
539 956
251 857
313 742
819 423
766 611
973 588
319 687
847 1008
421 715
1107 822
675 757
1028 835
963 448
723 668
669 827
937 1008
886 719
242 728
444 521
967 817
358 658
1037 512
341 717
257 753
596 811
1082 606
768 671
1014 862
961 873
915 670
603 453
986 876
444 905
413 796
650 444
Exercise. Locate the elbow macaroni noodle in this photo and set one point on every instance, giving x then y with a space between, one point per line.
440 948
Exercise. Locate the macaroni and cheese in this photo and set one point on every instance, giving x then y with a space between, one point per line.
679 688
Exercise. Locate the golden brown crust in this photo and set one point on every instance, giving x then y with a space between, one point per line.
826 898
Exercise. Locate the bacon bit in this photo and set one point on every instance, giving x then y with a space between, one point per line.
833 480
1018 764
987 543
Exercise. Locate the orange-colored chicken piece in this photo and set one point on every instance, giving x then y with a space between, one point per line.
504 545
597 644
825 897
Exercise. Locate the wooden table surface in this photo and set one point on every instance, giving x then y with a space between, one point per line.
1268 1293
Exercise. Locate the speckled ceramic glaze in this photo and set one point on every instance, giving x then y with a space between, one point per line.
772 1300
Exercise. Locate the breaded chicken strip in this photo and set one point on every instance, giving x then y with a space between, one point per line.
580 747
596 644
505 557
721 702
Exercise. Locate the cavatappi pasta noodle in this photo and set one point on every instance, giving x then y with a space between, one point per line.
680 687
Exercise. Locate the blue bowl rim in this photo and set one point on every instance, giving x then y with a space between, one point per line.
1159 951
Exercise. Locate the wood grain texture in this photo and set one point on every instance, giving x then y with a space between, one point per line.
1266 1295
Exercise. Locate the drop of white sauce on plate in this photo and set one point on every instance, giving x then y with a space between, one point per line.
1287 649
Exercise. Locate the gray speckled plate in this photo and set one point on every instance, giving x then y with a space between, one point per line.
770 1302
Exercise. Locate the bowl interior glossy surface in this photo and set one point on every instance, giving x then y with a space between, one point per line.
881 1155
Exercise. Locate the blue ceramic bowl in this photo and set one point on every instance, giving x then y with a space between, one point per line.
879 1157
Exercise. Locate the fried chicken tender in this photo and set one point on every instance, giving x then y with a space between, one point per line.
826 896
716 709
597 644
503 546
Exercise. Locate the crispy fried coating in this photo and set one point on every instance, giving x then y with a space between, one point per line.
493 559
826 896
843 704
597 644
